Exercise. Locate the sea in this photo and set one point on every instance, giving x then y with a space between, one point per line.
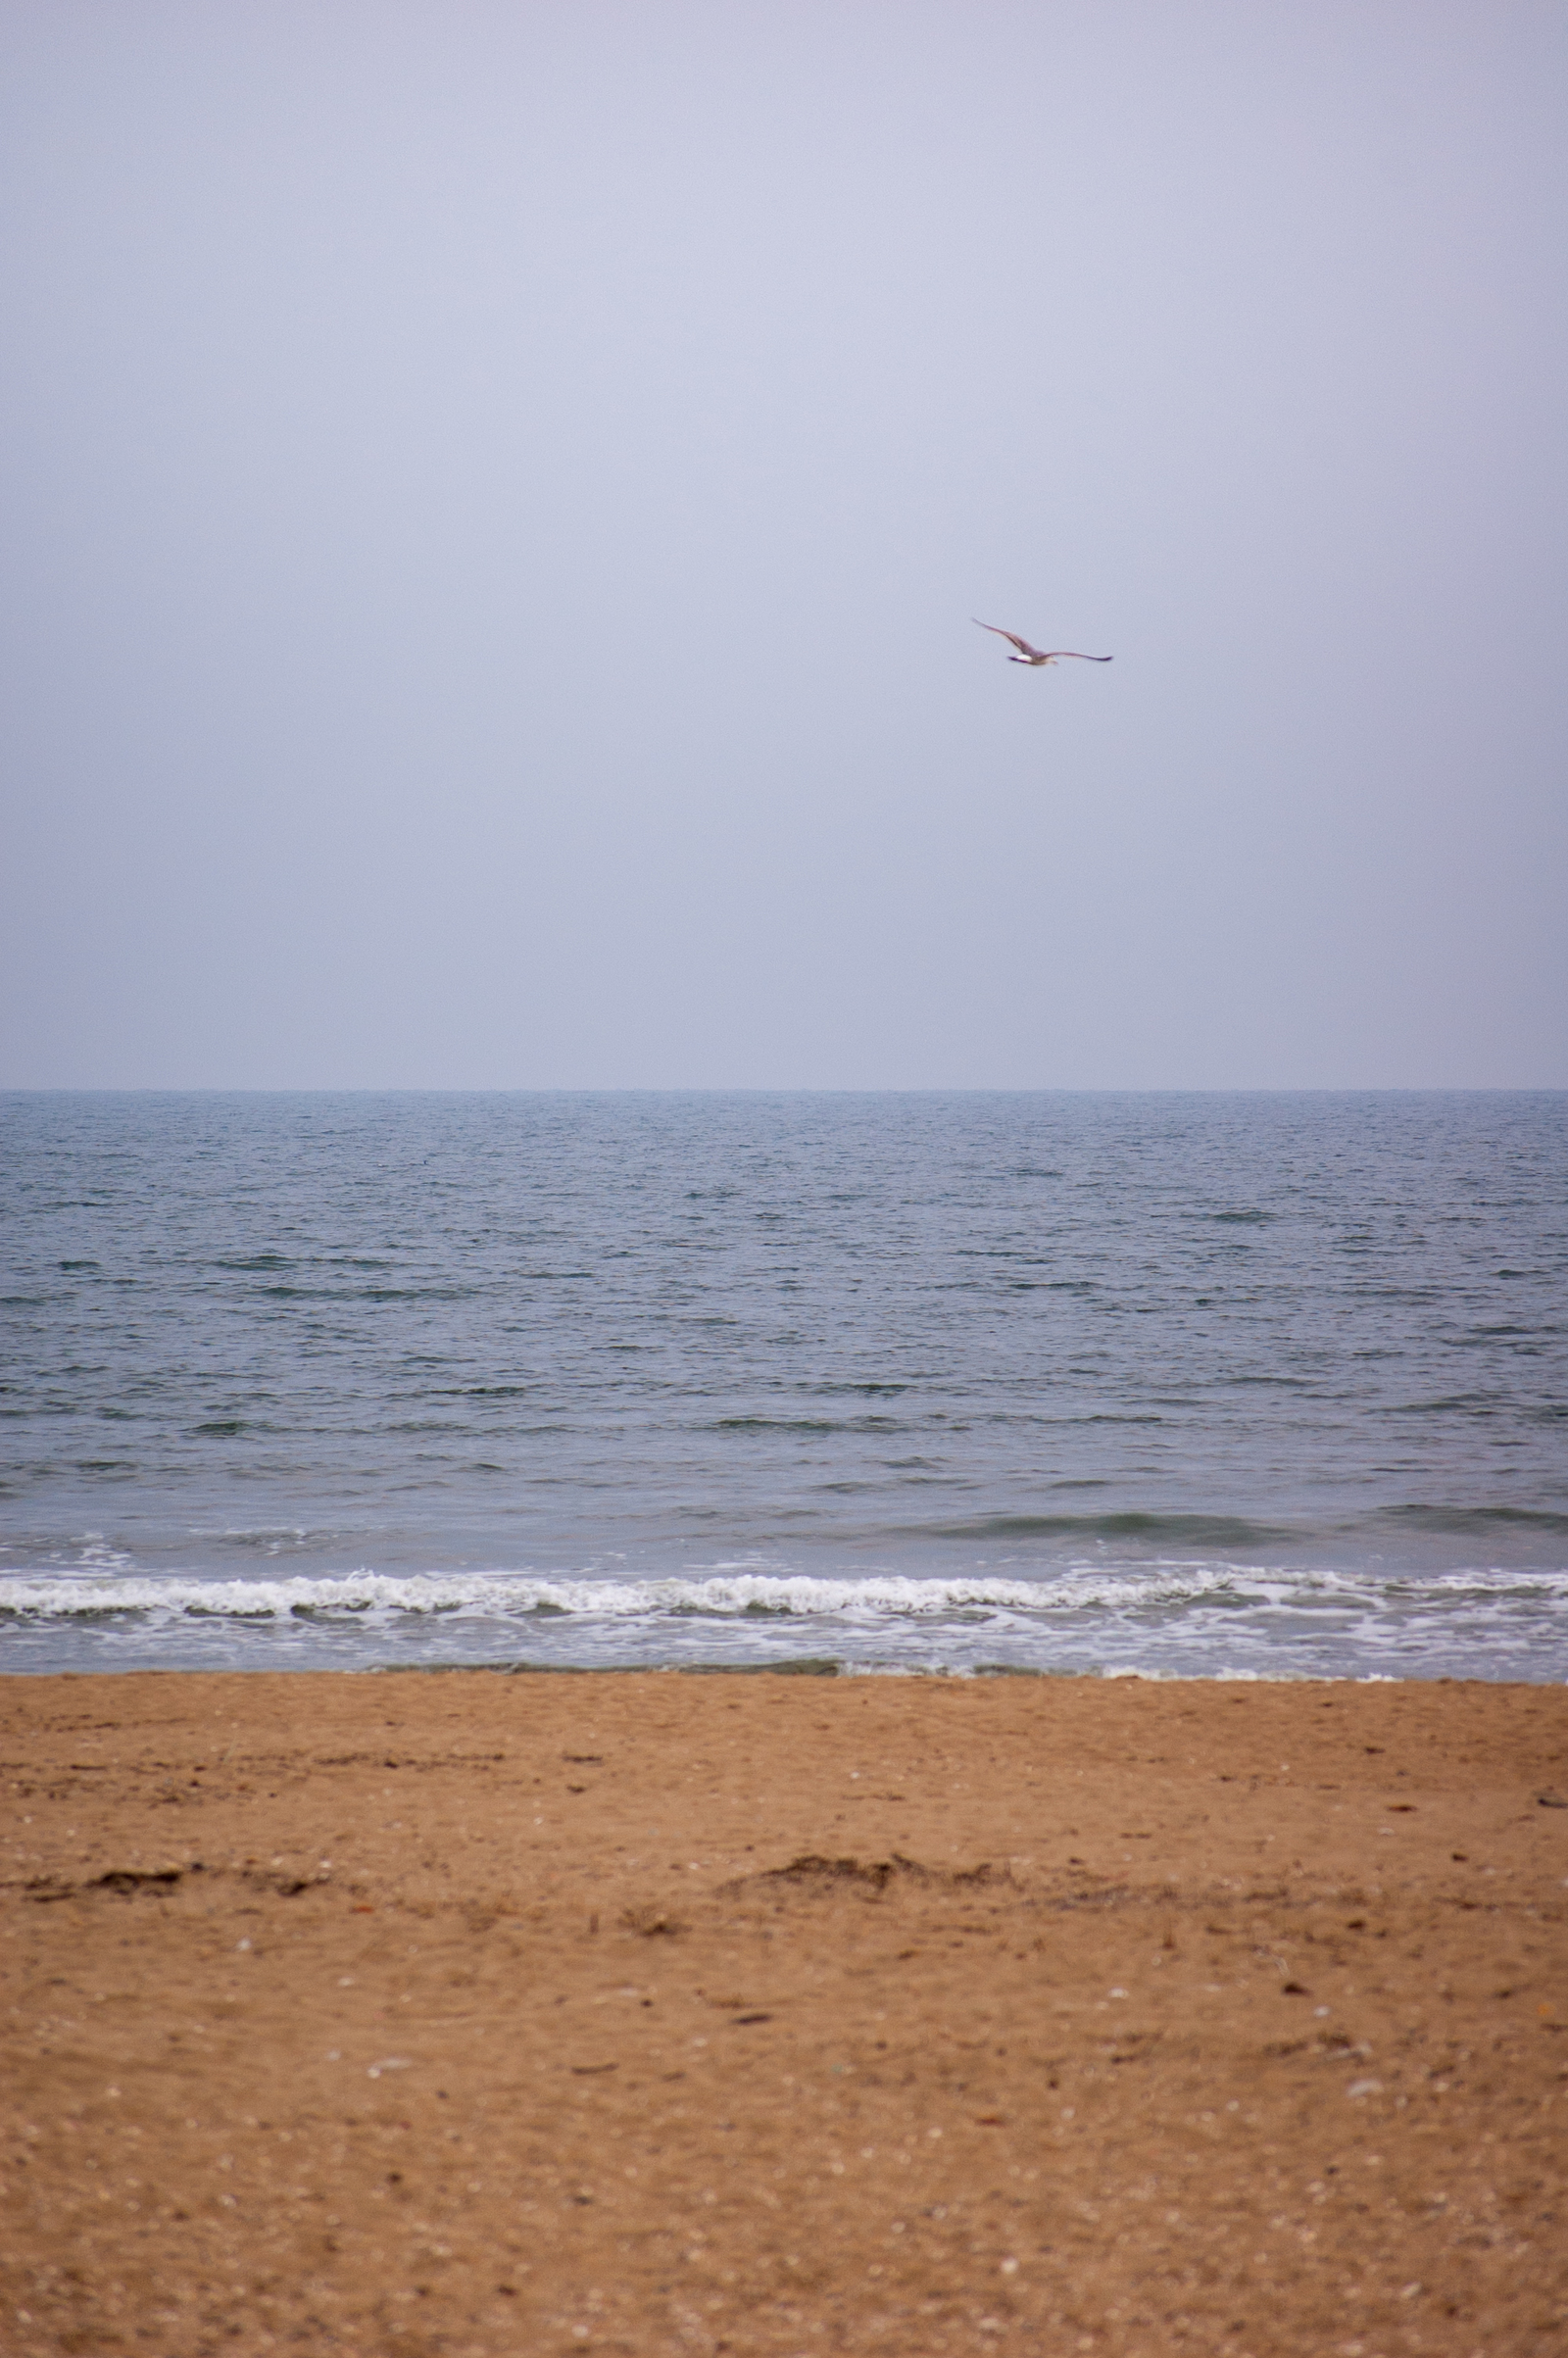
1259 1385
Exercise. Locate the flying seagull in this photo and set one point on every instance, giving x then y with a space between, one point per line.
1032 655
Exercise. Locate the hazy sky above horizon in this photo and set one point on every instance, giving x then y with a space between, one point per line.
494 499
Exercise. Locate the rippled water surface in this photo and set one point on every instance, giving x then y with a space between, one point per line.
1252 1384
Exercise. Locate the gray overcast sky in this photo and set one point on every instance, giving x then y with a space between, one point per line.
494 498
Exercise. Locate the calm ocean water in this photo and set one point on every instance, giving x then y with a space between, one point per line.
1199 1385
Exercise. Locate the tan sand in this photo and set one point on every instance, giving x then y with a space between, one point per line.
469 2013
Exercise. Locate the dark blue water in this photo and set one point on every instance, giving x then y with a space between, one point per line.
1269 1385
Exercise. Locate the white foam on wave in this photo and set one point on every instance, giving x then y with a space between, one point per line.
93 1591
509 1593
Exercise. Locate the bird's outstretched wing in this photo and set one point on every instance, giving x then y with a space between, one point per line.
1022 645
1080 658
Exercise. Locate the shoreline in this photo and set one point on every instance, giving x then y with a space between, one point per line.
904 2012
808 1666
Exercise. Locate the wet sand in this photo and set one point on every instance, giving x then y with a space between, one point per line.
473 2013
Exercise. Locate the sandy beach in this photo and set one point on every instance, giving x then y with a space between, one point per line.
471 2013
